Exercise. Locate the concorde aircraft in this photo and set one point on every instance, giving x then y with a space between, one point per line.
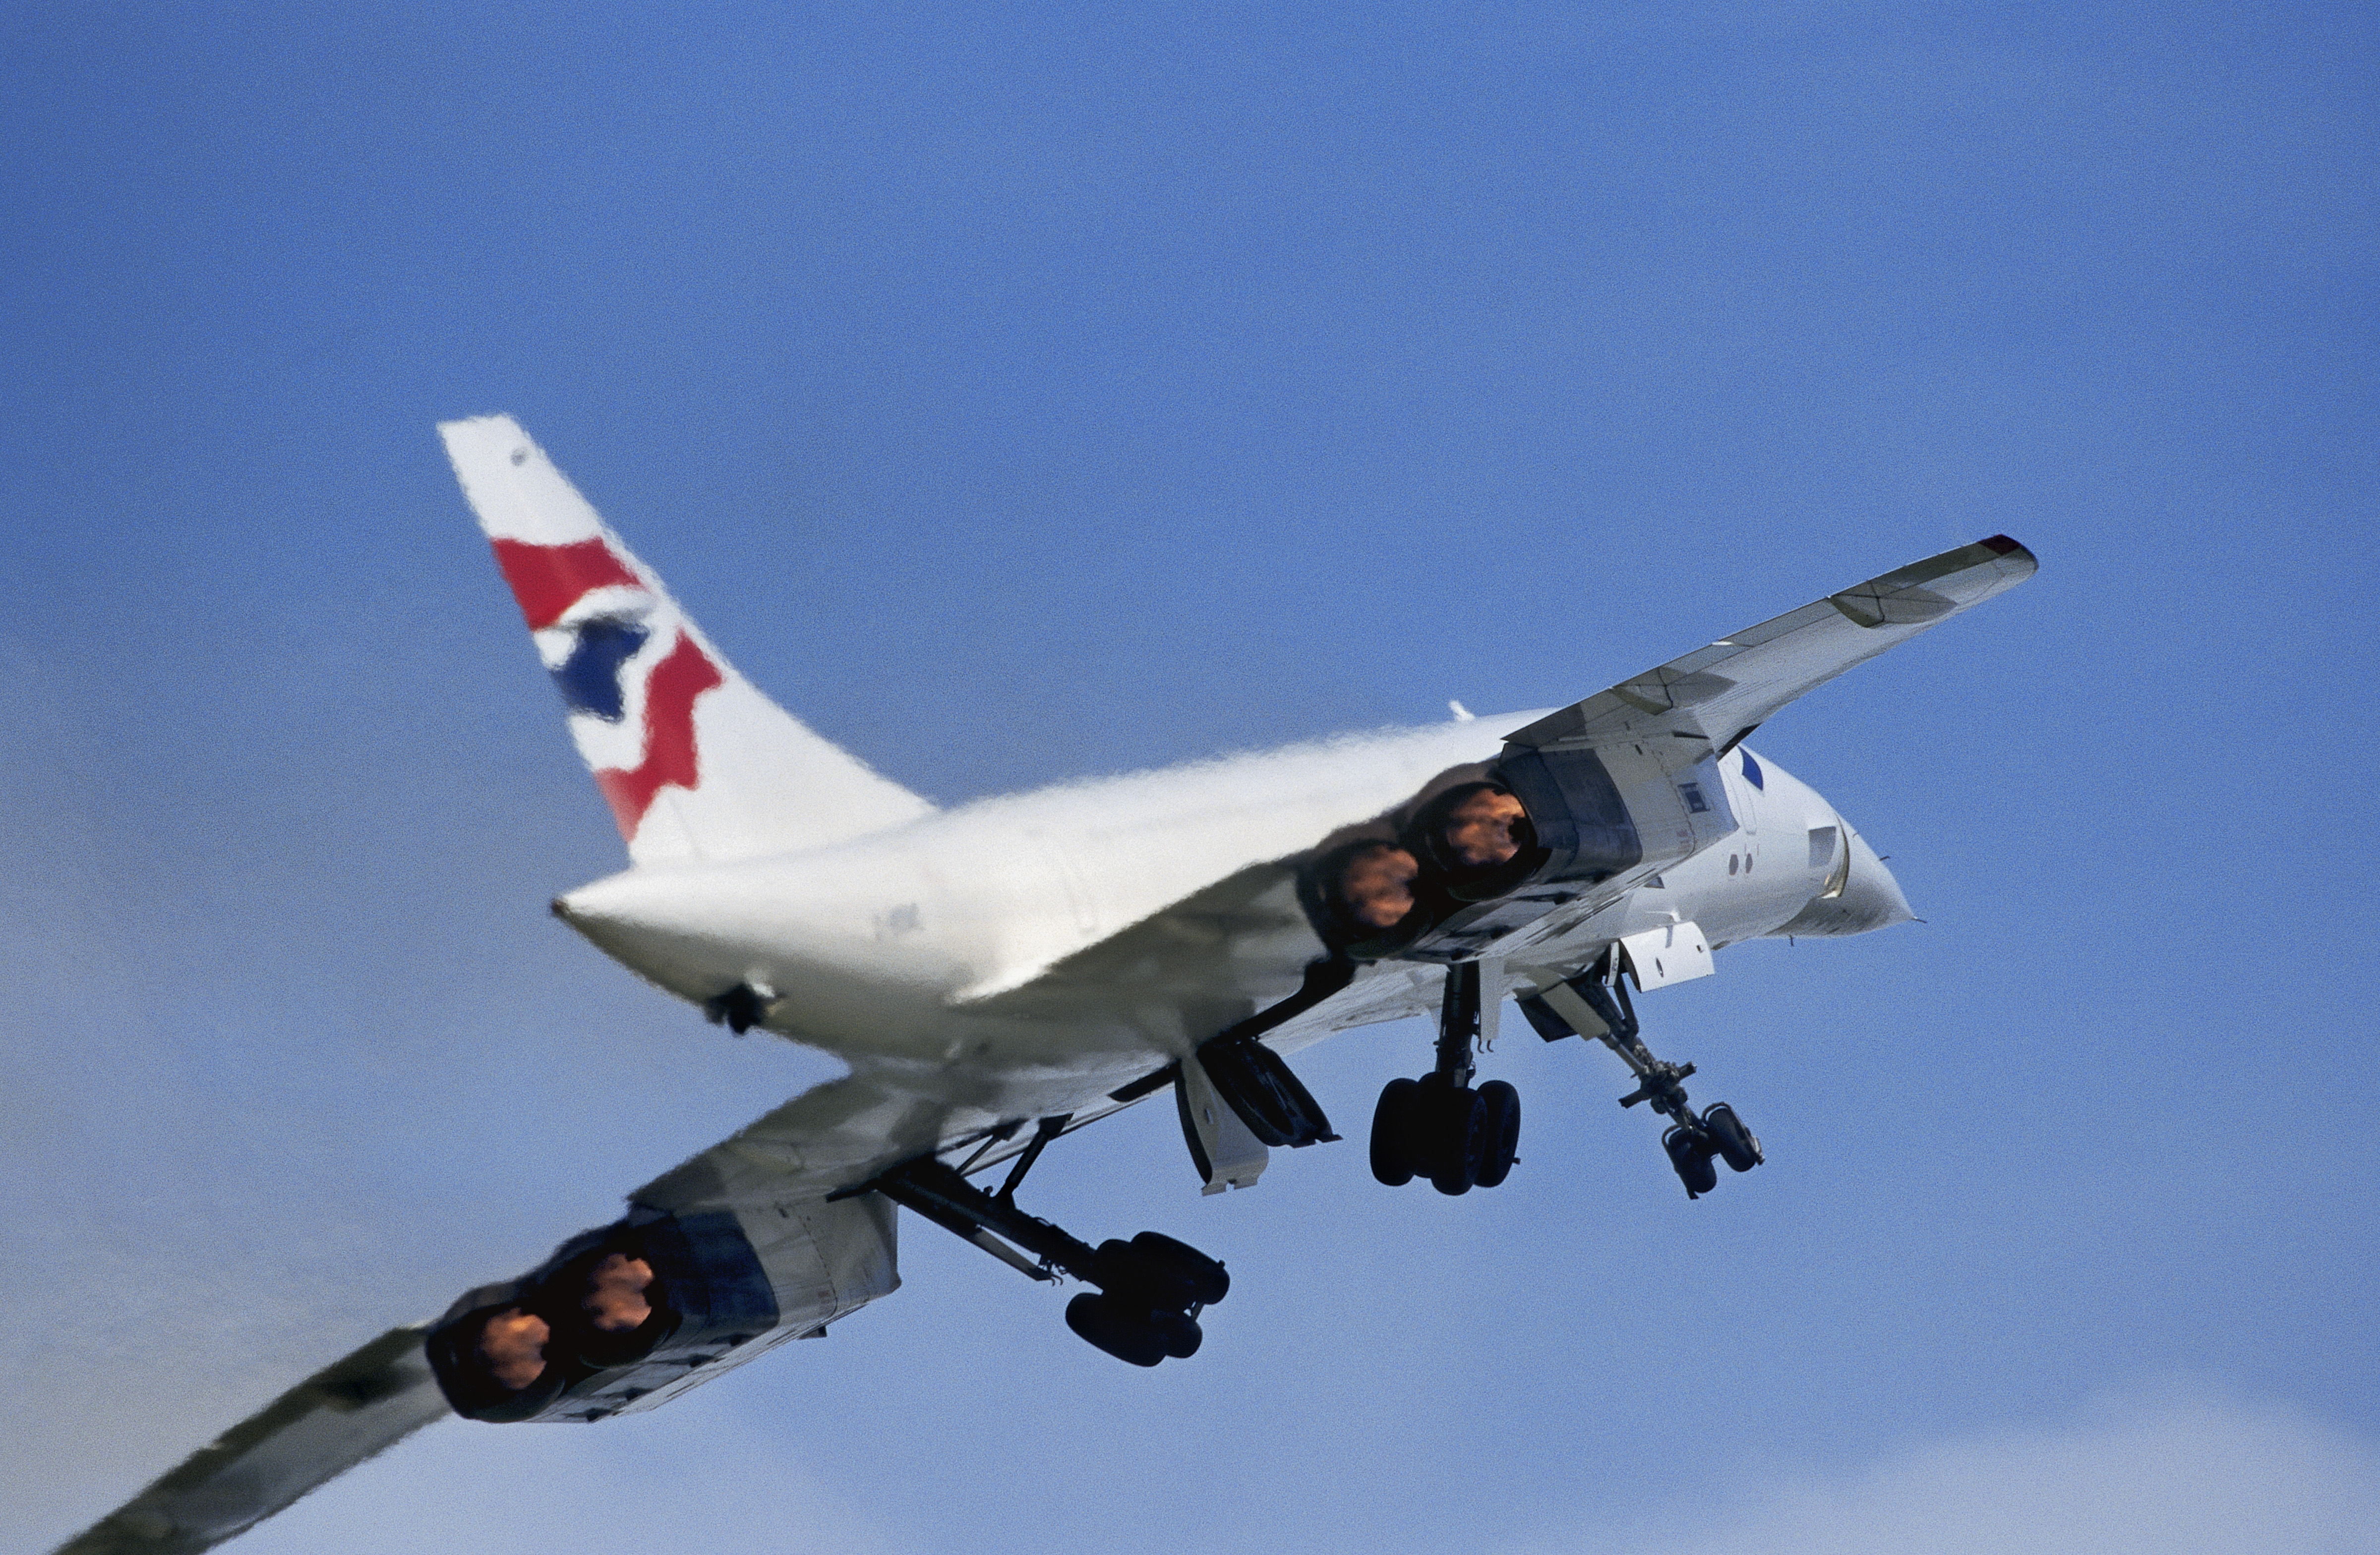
1000 974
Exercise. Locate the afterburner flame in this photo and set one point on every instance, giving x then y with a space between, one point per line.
1376 886
513 1343
616 1300
1479 830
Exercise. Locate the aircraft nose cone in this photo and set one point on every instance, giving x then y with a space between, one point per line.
1872 896
1870 899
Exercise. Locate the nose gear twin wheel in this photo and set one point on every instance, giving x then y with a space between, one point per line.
1737 1145
1693 1143
1690 1155
1587 1004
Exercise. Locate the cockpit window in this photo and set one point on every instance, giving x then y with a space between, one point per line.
1752 772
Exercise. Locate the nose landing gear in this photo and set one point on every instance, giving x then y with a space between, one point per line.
1589 1006
1437 1126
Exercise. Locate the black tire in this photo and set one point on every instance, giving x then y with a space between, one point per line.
1690 1154
1208 1280
1178 1332
1500 1136
1134 1279
1100 1322
1737 1145
1392 1132
1459 1123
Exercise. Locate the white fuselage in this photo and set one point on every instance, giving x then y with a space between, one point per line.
895 945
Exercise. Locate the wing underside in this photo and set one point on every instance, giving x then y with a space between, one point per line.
334 1420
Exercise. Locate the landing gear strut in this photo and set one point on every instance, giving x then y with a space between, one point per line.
1438 1127
1149 1292
1589 1006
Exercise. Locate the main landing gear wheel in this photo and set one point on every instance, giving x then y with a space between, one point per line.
1500 1136
1181 1275
1457 1124
1149 1291
1393 1132
1437 1126
1178 1332
1108 1326
1456 1136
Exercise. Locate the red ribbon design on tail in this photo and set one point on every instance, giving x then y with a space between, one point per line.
548 580
669 756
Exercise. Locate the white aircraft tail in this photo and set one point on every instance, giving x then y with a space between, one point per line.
696 763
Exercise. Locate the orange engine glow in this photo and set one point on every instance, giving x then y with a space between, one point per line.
513 1344
1376 886
1479 830
616 1300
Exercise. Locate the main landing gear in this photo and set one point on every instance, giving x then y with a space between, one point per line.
1437 1126
1149 1291
1589 1006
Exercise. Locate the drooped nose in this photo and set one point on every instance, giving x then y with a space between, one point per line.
1872 892
1869 898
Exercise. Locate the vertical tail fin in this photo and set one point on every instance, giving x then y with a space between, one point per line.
696 763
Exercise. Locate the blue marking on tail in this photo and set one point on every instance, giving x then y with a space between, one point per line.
590 678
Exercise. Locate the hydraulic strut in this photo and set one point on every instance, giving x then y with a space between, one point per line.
991 1222
1152 1289
1656 1080
1589 1006
1459 1014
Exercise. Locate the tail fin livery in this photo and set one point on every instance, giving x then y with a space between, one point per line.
696 763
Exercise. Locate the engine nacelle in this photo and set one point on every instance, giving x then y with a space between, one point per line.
1476 854
627 1316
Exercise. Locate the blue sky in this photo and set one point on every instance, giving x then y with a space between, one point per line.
1064 391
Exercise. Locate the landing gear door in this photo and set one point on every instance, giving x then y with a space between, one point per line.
1674 953
1226 1153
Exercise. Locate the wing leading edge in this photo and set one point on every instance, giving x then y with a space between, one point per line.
1722 693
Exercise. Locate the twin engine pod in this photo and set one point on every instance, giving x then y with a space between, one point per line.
1477 853
626 1316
